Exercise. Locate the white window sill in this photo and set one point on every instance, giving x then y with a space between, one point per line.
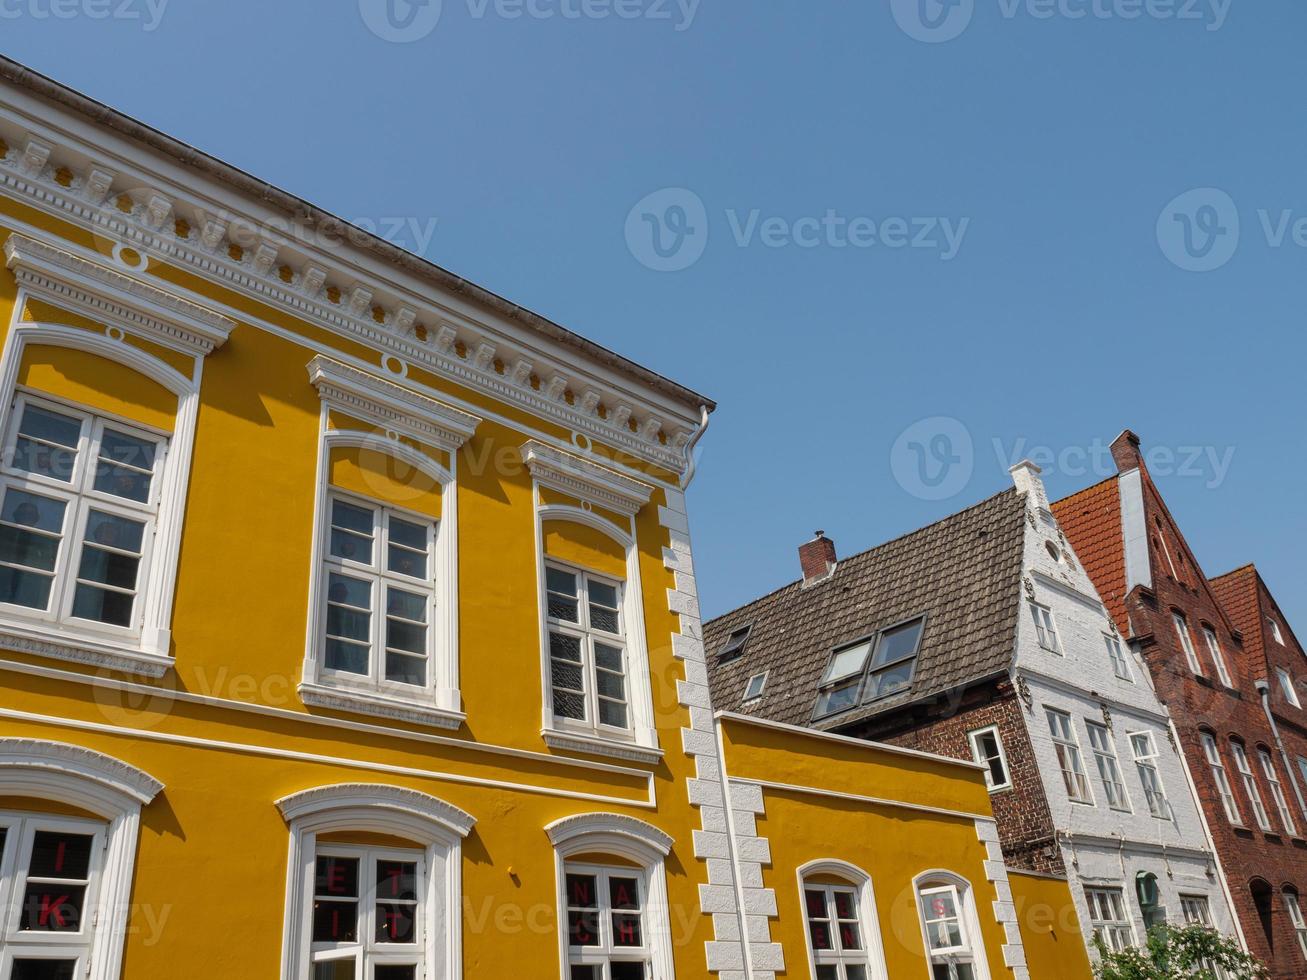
598 745
379 705
59 642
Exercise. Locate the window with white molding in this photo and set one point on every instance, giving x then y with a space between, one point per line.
755 687
607 912
1115 653
1222 779
954 947
1250 785
987 749
93 503
1218 658
1109 771
1186 643
1287 687
369 913
587 651
837 937
1143 746
1108 918
1045 628
1069 760
1294 908
1275 630
1277 791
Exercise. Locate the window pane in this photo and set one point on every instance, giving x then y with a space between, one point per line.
585 973
898 643
611 685
582 892
112 531
613 713
44 969
24 588
608 658
28 548
839 698
626 931
569 705
48 426
891 679
567 676
396 924
603 594
393 972
406 670
52 908
628 971
397 880
122 481
335 922
103 606
405 562
564 647
821 936
355 518
845 907
119 447
408 534
855 972
583 928
560 607
350 658
30 510
401 635
348 623
51 461
406 605
334 970
352 547
336 876
847 662
349 592
109 568
832 973
604 619
816 902
55 855
557 580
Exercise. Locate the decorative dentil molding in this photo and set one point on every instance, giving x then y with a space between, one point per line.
588 825
73 760
375 399
352 796
298 276
577 477
105 293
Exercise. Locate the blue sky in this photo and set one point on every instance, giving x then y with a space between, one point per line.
896 228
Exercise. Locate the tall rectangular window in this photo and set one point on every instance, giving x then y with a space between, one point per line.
1068 756
1250 785
1115 654
368 914
1275 630
1218 658
835 937
1109 772
1107 917
380 596
587 650
1277 791
1287 687
607 931
1045 628
1186 642
1296 919
1144 749
950 932
77 516
987 749
1213 753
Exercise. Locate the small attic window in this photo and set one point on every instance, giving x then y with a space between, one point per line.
735 644
1275 631
753 690
1053 551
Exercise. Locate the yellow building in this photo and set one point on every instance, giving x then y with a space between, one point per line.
348 624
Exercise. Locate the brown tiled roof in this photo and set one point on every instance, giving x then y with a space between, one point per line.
1091 520
963 573
1236 591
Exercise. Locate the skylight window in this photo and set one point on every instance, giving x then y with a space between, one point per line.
735 643
870 669
757 684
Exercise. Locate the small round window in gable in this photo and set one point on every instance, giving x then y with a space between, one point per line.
1053 551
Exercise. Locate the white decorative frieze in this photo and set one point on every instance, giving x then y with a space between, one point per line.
590 482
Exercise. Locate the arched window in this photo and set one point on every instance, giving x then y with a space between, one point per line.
612 898
356 908
1263 900
1296 919
839 911
68 876
950 927
383 628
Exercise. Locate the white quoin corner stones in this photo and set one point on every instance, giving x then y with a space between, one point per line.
1005 910
741 908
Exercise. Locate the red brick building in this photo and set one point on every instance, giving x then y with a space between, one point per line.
1216 650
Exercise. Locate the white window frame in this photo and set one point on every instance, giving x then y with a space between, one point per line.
761 679
1150 775
1302 771
735 643
434 828
940 881
1286 686
1187 642
1118 931
349 395
1249 779
1276 633
625 839
135 309
1218 657
1046 628
1221 777
855 881
1116 654
588 635
107 788
597 489
1066 749
985 759
607 952
1108 766
1294 907
1277 791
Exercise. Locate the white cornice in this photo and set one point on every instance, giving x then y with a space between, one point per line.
101 292
115 190
391 406
581 478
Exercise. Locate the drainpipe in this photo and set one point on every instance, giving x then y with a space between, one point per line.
1264 689
691 462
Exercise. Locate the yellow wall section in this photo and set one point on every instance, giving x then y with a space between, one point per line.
86 379
585 546
385 478
1050 927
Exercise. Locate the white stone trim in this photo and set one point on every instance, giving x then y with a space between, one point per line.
589 482
129 307
868 918
967 895
1005 911
432 824
78 777
623 837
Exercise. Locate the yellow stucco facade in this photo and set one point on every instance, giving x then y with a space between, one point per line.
348 628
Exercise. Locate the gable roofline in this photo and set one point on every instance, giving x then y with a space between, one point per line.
298 209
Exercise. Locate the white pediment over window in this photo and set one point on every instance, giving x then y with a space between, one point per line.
590 482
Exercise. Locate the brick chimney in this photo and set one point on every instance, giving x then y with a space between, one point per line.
1125 452
817 558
